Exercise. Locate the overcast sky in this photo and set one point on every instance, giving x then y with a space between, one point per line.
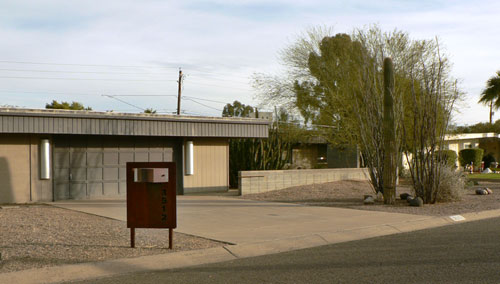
133 49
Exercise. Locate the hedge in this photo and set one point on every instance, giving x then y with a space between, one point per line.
466 156
449 156
488 160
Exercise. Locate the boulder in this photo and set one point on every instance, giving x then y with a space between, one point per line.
481 191
487 171
416 202
369 200
404 196
409 198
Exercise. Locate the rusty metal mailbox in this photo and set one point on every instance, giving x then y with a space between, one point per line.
151 197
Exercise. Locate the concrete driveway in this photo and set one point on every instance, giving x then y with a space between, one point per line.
238 221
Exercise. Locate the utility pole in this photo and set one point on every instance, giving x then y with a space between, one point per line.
179 93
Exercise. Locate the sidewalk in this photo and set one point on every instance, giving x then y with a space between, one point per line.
253 227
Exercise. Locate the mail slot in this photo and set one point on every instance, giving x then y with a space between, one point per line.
154 175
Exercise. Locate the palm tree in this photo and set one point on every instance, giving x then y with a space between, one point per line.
491 94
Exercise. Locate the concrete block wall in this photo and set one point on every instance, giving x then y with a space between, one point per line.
263 181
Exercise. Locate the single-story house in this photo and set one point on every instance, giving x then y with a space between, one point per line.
315 152
489 142
48 155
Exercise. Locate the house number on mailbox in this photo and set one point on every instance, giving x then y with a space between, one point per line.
151 197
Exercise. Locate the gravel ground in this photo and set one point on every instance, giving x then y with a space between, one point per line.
349 194
34 236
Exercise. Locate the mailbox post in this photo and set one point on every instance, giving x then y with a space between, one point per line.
151 197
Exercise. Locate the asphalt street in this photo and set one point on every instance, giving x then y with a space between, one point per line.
461 253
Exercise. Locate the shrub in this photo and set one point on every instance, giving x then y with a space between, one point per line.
448 156
451 185
488 159
466 156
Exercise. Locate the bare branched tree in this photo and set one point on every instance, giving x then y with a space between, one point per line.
432 96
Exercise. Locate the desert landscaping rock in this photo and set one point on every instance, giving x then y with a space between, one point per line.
416 202
404 196
481 191
346 194
369 200
35 236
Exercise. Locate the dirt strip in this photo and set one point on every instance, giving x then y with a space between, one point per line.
34 236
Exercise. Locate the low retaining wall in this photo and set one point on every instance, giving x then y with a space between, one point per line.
263 181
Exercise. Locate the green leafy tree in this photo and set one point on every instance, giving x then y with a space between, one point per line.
237 109
150 111
481 127
65 105
340 83
491 94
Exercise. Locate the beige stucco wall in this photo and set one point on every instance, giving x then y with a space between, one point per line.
19 170
41 190
264 181
14 169
211 166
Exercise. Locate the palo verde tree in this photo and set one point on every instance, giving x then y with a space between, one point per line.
338 80
340 83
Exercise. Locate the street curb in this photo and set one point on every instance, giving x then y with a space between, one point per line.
93 270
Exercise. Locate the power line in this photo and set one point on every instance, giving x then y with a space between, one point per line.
49 93
112 97
202 104
85 79
145 95
187 97
208 100
218 73
245 81
86 65
78 72
226 87
122 66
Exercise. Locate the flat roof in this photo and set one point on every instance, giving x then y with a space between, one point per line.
466 136
56 121
124 115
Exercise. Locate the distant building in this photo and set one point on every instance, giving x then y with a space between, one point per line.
489 142
267 115
315 152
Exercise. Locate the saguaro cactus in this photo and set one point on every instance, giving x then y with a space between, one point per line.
389 134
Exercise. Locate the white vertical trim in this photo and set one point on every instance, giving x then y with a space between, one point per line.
44 159
189 158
